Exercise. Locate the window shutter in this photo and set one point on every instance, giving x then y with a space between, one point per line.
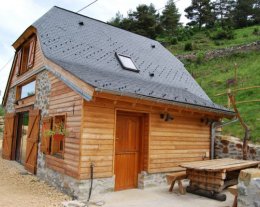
45 140
8 136
31 53
18 61
32 141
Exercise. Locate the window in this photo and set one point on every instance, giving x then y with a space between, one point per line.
25 56
27 90
58 132
53 135
126 62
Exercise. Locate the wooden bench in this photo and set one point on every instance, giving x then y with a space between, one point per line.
176 176
233 191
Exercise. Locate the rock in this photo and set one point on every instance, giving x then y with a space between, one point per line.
73 204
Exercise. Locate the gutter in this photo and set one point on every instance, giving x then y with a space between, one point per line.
186 105
214 125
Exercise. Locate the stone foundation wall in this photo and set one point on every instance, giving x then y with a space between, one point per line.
146 180
78 189
231 147
248 188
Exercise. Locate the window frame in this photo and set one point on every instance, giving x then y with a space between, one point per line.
19 89
26 53
122 64
60 153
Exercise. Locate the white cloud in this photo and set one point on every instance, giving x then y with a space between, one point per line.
16 16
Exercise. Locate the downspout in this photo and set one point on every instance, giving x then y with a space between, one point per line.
214 125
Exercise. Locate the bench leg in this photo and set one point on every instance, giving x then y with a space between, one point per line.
172 185
181 188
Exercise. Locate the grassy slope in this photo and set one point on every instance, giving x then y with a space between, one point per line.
202 42
212 76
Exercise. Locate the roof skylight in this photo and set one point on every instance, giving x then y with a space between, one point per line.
126 62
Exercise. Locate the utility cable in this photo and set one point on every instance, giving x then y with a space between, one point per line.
6 64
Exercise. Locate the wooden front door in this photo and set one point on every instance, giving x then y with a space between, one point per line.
127 150
8 136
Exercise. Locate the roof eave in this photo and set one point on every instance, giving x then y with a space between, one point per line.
222 113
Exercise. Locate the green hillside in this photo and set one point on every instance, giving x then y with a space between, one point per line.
206 40
212 76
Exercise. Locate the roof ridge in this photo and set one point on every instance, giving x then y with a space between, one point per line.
106 23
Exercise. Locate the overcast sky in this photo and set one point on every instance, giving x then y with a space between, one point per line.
17 15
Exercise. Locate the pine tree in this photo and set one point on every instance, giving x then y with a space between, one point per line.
170 18
200 13
244 13
145 20
117 20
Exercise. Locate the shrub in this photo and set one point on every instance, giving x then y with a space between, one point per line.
188 46
2 112
221 34
200 57
218 43
256 31
174 40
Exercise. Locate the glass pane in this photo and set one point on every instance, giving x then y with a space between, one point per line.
28 89
127 62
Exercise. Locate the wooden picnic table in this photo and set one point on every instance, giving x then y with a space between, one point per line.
210 177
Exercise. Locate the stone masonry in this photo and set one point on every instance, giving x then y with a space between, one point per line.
249 188
230 147
9 108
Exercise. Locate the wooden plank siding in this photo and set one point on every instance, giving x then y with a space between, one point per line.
64 100
167 144
183 139
38 62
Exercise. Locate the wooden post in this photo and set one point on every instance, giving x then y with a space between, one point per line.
247 129
228 102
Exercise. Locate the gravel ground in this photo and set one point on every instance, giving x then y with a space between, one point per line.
20 189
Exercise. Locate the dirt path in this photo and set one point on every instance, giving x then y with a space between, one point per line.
19 189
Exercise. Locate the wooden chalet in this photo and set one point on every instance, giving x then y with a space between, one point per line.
129 107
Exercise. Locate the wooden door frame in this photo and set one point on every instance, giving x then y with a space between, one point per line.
143 116
15 128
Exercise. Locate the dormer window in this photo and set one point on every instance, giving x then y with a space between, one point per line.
25 56
126 62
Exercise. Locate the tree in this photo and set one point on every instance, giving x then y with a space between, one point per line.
200 13
145 20
244 12
117 20
170 18
223 10
256 12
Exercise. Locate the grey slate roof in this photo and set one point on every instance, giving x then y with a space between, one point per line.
88 52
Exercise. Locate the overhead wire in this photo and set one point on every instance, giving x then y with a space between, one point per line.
6 64
87 6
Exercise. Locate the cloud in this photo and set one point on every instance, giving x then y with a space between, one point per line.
17 15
